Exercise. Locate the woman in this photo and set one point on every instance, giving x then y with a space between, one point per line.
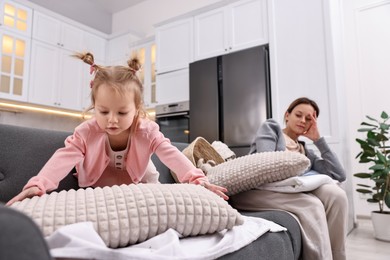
322 213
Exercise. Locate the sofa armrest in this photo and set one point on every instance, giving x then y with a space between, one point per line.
20 237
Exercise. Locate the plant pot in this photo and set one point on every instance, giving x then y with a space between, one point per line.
381 223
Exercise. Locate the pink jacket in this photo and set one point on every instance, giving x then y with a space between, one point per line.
85 149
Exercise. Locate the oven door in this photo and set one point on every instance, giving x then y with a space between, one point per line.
175 126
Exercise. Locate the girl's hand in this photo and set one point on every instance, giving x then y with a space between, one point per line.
27 193
312 132
220 191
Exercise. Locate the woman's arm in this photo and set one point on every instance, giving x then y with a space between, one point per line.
328 163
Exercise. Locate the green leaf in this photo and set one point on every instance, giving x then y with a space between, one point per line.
373 141
381 157
384 126
368 151
357 156
384 115
363 185
376 174
365 191
362 175
365 129
381 137
360 141
372 119
367 124
365 160
372 200
377 166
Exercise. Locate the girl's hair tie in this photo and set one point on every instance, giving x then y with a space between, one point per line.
92 69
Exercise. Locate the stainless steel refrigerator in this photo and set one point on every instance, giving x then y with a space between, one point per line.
230 97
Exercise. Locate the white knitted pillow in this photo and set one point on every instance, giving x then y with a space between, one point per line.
129 214
250 171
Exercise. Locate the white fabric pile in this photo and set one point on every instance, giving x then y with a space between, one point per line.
81 241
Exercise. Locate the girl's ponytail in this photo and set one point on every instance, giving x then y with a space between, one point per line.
134 63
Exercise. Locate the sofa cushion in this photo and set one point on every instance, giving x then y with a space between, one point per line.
128 214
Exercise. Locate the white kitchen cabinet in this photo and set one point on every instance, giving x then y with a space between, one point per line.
56 77
96 45
15 18
14 66
234 27
53 31
146 52
119 49
174 45
173 87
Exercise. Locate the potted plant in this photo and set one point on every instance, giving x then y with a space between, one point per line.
375 150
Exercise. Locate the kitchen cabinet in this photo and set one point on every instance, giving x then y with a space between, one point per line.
174 45
55 32
146 52
96 45
15 41
56 77
234 27
119 49
173 87
15 18
14 66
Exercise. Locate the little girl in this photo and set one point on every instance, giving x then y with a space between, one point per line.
115 146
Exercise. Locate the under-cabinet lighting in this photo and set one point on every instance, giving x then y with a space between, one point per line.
45 110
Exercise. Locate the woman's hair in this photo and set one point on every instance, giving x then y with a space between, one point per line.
303 100
122 79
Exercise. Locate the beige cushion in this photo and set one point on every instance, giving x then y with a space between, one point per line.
250 171
128 214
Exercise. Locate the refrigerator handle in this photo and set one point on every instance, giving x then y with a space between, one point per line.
268 81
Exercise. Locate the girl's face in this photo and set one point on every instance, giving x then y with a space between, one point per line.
114 112
300 119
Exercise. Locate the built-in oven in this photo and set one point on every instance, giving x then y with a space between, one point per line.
174 121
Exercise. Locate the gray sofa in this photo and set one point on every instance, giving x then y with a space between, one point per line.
23 152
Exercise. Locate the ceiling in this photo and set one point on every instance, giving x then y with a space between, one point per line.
94 13
111 6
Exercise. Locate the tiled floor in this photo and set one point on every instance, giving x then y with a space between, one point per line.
361 244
